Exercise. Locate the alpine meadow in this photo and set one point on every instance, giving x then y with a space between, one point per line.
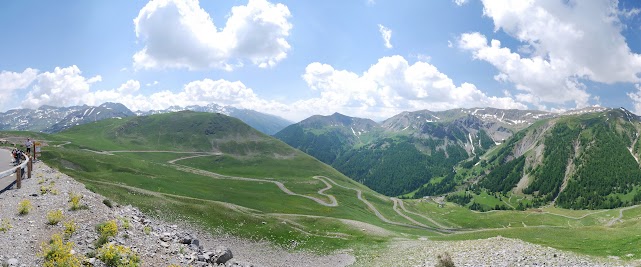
286 133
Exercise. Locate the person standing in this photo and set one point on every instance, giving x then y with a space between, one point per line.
28 144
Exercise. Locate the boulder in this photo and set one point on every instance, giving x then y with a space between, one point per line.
220 255
12 262
186 239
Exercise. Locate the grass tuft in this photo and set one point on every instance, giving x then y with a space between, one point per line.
54 217
5 225
24 207
74 199
70 228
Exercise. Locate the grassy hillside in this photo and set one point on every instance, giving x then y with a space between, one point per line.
180 131
164 154
153 163
397 158
584 161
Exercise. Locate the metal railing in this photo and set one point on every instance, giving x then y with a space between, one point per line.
19 171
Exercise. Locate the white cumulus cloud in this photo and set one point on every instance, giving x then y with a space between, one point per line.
200 92
386 33
12 81
390 86
62 87
180 34
565 41
539 79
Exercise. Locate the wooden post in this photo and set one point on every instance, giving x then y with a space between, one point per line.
29 168
18 178
33 148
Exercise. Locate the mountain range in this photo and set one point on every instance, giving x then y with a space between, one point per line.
543 157
406 151
51 119
220 173
585 158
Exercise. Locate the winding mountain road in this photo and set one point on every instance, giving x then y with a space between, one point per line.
613 221
331 201
359 195
402 205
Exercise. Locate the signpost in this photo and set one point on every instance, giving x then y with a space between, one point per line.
36 150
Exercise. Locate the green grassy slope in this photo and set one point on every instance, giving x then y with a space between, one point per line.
187 184
109 157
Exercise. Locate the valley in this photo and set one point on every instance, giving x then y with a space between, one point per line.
220 174
191 133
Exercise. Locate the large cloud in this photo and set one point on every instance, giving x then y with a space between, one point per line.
180 34
62 87
390 86
12 81
541 80
67 87
563 42
200 92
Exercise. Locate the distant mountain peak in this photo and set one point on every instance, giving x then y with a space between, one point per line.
266 123
590 109
54 119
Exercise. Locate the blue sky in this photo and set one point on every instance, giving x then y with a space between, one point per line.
300 58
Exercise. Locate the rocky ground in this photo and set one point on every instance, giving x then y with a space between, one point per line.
158 243
496 251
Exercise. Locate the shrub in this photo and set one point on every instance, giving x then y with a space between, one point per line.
44 190
106 230
70 228
5 225
444 260
125 223
41 181
24 207
147 230
107 203
54 217
74 199
58 253
116 256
